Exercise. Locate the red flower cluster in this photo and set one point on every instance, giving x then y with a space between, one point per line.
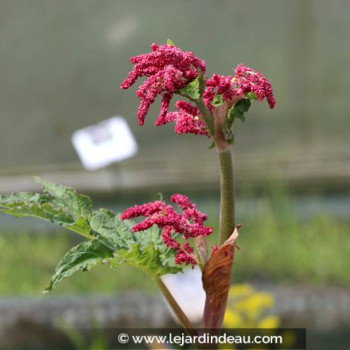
219 85
232 89
188 224
167 69
188 120
247 80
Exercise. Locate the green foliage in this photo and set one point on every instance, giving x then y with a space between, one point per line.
29 258
194 88
67 199
58 204
170 42
238 109
212 145
277 246
112 241
99 340
149 252
218 100
280 246
251 96
83 257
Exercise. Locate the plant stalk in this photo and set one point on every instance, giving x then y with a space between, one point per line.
207 116
227 197
175 307
217 290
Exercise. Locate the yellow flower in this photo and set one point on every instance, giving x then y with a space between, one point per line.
232 319
269 322
246 308
289 338
240 290
266 300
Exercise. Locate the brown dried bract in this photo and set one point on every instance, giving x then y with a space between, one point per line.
216 282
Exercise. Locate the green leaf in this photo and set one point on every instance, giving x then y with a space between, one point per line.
149 253
237 111
46 207
67 198
170 42
112 240
251 96
218 100
83 257
42 208
148 259
108 225
212 145
193 89
117 245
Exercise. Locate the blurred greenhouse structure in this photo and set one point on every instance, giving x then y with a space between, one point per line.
61 64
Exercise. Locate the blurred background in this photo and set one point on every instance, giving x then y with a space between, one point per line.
61 63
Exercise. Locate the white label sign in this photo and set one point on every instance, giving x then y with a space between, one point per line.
104 143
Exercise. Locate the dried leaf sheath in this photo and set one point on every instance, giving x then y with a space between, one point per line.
216 282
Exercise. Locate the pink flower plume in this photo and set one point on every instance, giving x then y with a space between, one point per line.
167 69
188 224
